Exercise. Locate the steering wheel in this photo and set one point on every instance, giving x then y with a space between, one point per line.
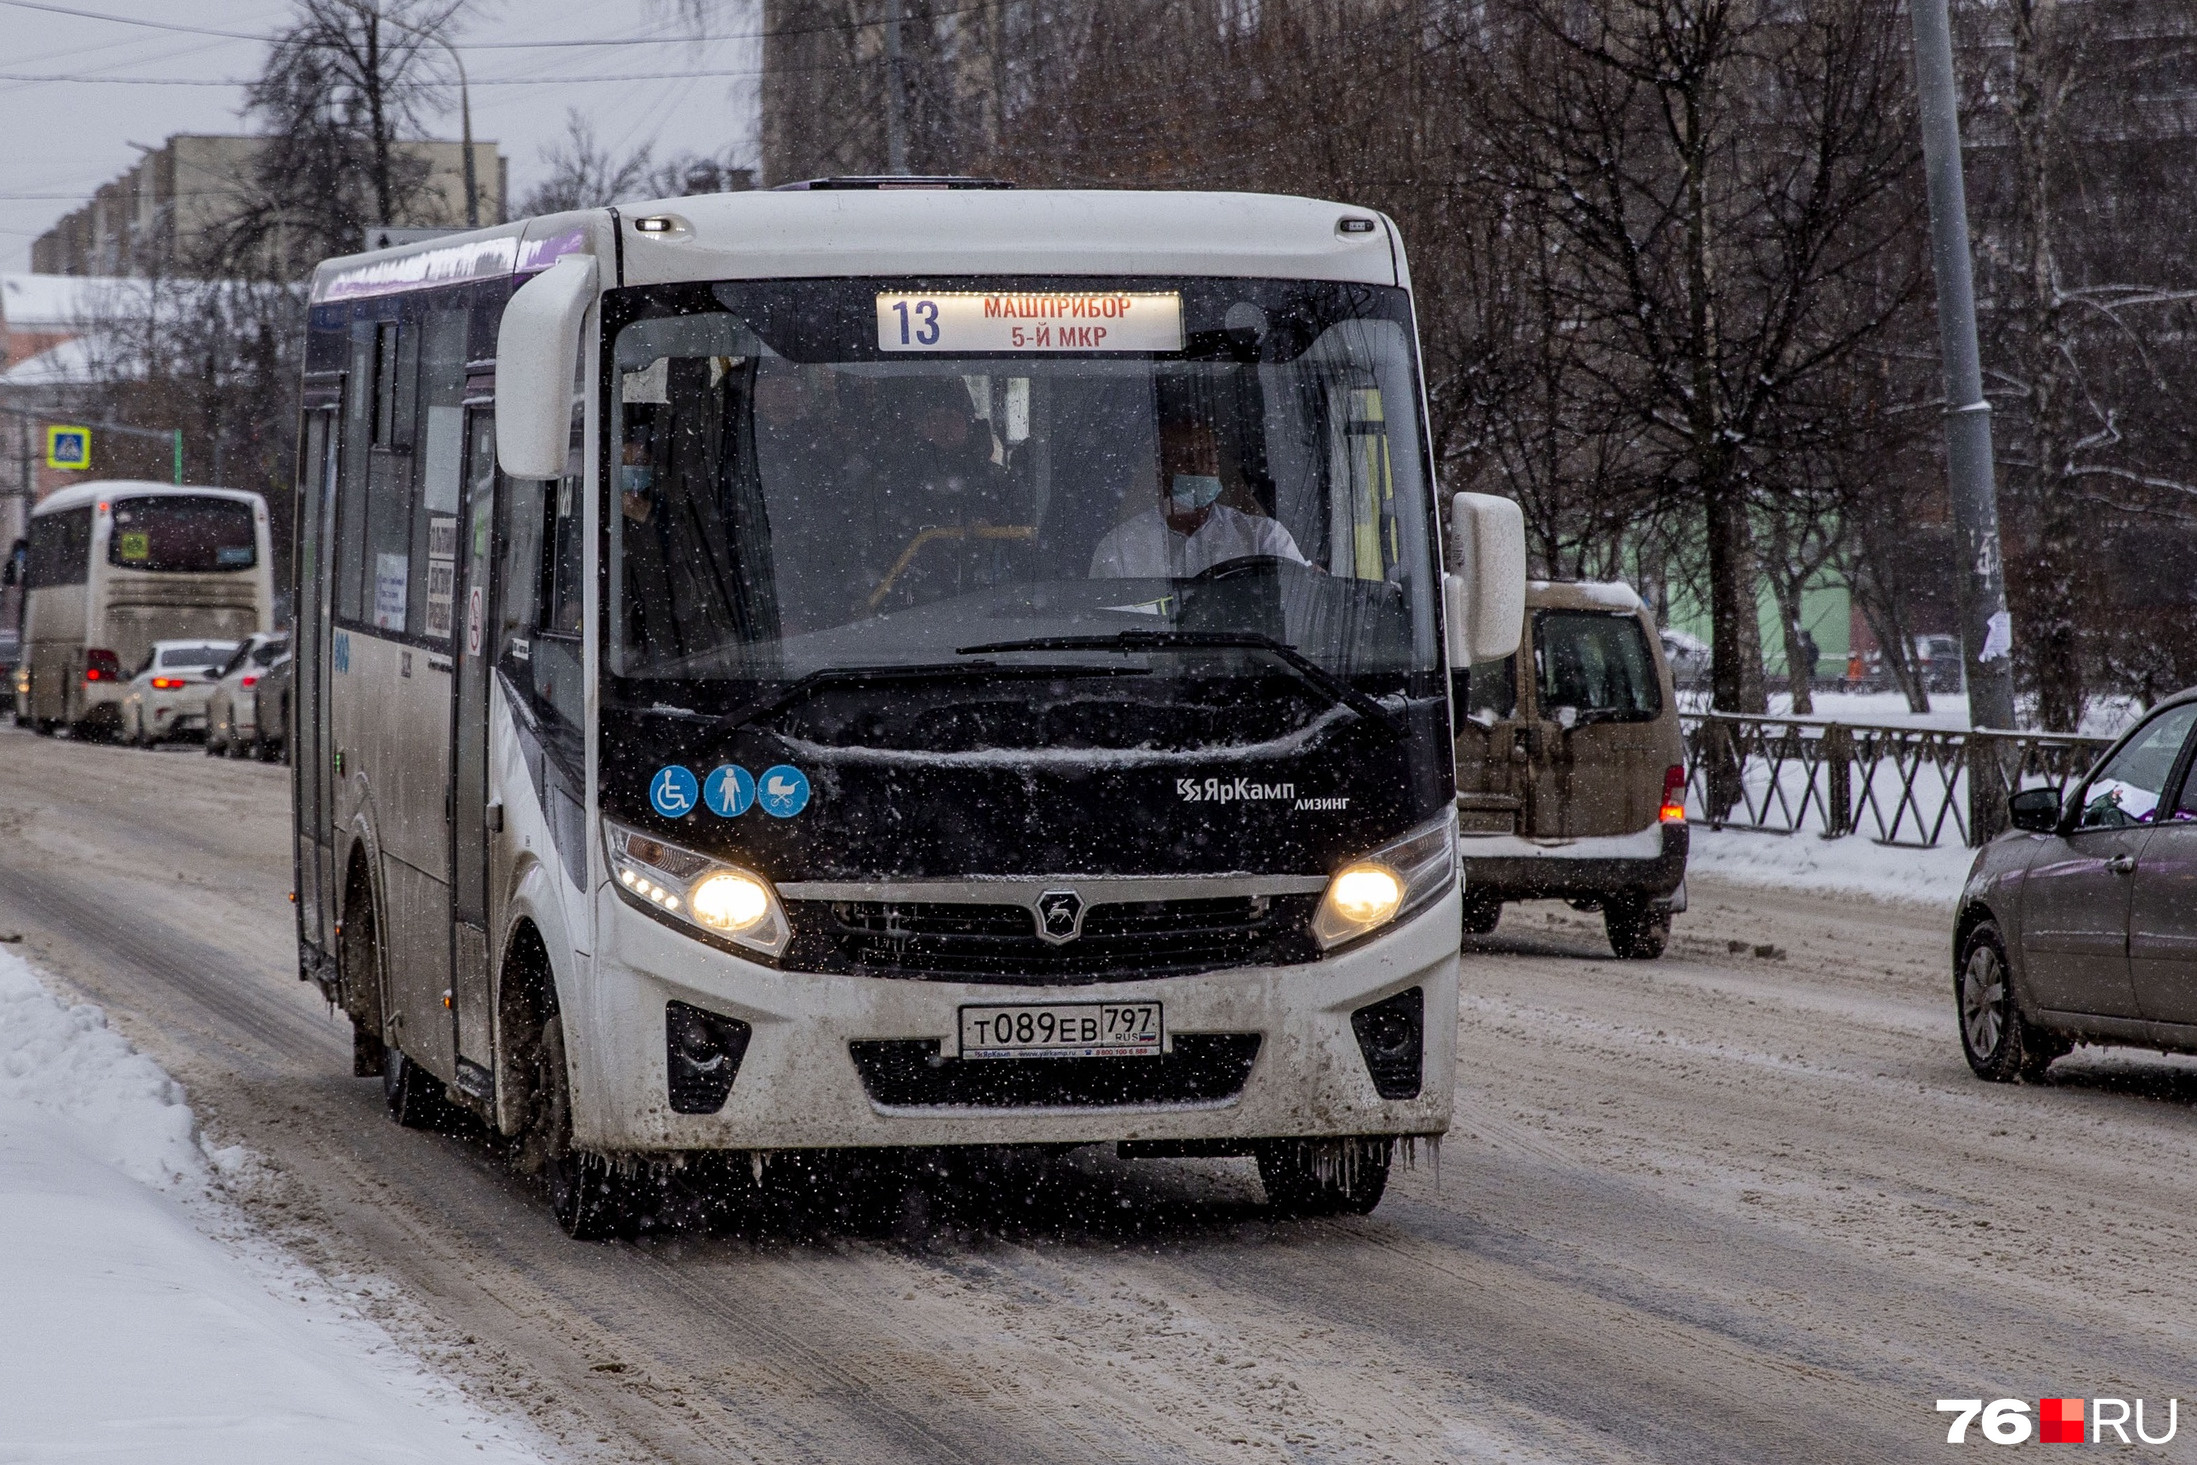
1243 564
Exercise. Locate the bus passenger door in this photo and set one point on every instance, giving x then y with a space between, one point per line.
310 769
474 653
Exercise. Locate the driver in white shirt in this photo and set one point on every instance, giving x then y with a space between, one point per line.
1189 531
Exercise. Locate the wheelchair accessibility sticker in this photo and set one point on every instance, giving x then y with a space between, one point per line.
671 792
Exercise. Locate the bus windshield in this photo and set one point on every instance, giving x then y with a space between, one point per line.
176 533
790 494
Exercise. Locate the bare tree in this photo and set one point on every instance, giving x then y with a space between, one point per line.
217 359
583 174
2091 307
344 82
1731 181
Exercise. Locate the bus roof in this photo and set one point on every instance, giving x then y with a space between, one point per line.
821 233
77 495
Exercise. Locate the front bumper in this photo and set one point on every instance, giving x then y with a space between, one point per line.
799 1086
1651 863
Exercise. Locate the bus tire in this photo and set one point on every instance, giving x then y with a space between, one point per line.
1325 1177
358 969
414 1096
588 1193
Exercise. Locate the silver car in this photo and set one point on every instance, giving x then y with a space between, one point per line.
2079 924
233 723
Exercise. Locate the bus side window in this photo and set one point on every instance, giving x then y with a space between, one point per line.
441 456
349 559
61 548
520 585
564 562
396 375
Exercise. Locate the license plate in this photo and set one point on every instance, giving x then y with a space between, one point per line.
1064 1030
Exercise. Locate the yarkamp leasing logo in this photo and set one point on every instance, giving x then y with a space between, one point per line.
2058 1421
1242 790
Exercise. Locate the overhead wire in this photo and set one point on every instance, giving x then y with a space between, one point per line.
659 105
681 38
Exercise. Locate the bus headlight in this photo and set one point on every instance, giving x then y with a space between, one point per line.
696 890
730 902
1393 881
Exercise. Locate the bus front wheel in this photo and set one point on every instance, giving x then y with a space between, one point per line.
589 1193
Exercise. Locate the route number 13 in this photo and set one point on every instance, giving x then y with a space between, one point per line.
926 328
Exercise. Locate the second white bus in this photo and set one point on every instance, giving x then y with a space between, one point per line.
116 565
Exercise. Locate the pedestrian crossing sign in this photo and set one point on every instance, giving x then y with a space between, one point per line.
69 447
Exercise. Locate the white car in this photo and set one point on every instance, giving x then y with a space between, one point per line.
168 695
232 708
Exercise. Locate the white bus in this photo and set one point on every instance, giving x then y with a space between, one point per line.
117 565
866 667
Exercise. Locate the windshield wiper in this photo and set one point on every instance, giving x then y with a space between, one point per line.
1338 692
800 689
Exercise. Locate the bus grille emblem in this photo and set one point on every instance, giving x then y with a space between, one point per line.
1059 916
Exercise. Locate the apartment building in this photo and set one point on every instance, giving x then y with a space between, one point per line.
158 217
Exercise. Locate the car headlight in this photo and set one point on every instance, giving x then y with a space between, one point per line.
1393 881
696 890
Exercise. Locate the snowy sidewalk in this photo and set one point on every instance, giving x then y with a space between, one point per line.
1854 865
130 1333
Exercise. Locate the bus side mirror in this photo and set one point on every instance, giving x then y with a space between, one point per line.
537 351
1484 590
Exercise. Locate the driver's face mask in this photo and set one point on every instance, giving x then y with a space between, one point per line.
1194 491
636 478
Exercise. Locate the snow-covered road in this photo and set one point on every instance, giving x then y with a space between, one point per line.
1743 1204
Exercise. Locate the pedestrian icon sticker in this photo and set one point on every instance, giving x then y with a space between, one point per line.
69 447
671 792
784 791
729 791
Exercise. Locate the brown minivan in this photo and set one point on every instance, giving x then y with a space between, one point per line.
1571 778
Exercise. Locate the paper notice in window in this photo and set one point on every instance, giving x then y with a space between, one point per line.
392 582
1047 323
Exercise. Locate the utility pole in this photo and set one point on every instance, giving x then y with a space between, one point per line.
896 93
465 128
1987 637
465 110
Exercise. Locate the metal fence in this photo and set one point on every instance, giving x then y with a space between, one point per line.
1900 785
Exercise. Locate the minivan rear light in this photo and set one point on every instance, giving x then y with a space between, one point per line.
1674 795
102 666
247 681
166 684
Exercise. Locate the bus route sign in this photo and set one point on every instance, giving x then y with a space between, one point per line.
1096 320
69 447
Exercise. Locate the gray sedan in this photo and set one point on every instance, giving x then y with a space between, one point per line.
2080 923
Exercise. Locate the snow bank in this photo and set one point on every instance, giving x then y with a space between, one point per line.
131 1334
65 1060
1855 865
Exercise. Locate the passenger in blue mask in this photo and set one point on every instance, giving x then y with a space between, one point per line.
1190 530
